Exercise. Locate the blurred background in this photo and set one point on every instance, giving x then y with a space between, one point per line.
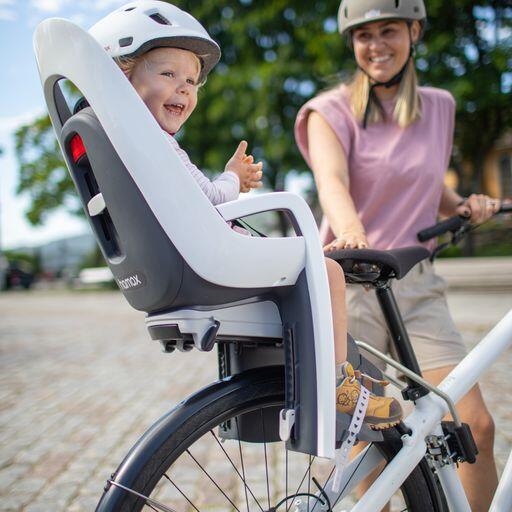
276 55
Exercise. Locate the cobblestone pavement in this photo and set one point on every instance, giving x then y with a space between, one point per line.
80 381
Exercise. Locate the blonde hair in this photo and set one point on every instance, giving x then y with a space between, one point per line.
408 105
127 64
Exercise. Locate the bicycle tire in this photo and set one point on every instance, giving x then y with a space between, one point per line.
173 436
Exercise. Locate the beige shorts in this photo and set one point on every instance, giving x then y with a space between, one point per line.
421 299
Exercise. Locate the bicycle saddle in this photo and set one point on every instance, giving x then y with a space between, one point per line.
367 265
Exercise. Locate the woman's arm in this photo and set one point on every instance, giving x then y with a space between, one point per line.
450 203
330 169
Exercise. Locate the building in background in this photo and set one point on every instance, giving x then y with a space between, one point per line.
497 178
497 174
63 257
66 256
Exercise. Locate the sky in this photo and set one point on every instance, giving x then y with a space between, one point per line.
21 100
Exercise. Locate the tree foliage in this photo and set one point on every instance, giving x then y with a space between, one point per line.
277 54
468 50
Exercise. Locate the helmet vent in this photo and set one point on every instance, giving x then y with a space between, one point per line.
129 9
397 4
160 19
126 41
346 12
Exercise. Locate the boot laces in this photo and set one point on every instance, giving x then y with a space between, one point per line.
360 375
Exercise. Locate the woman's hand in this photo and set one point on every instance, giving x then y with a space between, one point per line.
479 208
348 240
243 166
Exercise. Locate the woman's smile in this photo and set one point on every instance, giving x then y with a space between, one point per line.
380 60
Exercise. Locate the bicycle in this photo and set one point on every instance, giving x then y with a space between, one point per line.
452 444
274 402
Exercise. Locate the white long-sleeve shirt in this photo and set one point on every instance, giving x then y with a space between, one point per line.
222 189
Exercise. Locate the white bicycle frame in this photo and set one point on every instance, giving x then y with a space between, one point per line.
424 421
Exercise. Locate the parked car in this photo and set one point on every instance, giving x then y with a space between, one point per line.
3 270
18 275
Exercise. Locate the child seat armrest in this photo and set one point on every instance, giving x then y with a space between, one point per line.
266 202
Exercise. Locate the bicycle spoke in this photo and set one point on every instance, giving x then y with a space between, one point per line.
265 451
213 481
301 482
181 492
236 469
242 462
353 473
323 487
309 479
286 470
148 501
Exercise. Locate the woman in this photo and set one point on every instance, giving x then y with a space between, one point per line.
379 148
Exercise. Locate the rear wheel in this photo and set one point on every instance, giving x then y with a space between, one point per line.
195 468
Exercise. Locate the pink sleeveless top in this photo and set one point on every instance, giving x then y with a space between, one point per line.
396 175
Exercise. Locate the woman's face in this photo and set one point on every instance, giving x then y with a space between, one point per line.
381 48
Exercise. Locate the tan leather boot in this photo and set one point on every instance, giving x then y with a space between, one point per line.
381 413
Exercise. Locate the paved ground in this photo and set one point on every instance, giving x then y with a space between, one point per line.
80 381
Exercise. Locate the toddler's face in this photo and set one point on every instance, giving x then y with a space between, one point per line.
166 80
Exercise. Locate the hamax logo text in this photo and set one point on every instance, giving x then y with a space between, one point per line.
130 282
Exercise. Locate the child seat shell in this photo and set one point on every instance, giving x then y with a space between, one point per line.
292 269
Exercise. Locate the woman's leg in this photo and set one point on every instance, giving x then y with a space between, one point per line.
480 479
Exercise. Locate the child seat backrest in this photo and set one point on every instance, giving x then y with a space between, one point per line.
131 240
146 265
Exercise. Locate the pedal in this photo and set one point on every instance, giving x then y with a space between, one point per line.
460 441
286 422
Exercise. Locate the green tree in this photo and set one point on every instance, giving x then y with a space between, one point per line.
277 54
468 51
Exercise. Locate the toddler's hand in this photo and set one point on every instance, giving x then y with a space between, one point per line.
244 167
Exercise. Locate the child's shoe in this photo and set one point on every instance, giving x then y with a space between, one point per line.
381 413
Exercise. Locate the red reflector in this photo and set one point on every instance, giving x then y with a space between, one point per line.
77 148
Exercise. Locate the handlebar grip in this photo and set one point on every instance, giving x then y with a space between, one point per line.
451 224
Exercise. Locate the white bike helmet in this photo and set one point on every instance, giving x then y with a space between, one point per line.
137 27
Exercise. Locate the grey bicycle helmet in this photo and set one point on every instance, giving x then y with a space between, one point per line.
354 13
137 27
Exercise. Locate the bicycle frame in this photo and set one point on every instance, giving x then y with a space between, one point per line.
425 420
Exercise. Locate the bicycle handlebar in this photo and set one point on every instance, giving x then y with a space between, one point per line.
452 224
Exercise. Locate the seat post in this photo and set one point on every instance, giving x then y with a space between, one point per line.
400 338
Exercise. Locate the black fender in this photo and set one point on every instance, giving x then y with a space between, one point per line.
141 453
